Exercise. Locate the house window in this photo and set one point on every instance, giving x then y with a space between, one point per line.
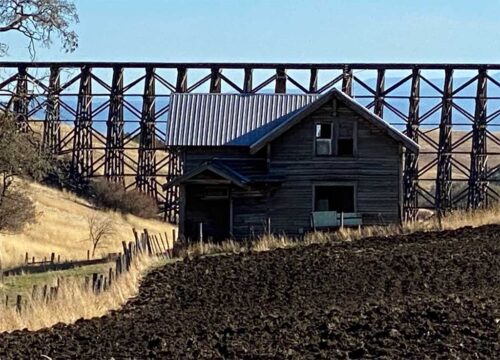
345 139
339 198
336 138
324 139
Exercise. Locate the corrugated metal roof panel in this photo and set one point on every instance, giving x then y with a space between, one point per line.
228 119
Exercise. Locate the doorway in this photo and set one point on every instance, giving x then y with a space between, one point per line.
209 206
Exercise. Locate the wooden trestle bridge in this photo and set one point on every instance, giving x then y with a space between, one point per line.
117 114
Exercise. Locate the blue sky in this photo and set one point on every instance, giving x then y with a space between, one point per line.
282 31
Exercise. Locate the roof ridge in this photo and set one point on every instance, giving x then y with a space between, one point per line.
242 94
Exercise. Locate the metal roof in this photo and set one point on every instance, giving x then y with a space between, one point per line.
228 119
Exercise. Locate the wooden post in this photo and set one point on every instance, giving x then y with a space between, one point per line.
162 250
342 220
130 254
6 300
94 281
52 258
125 255
110 276
169 249
136 235
165 248
58 259
88 254
148 242
174 237
118 265
53 292
19 301
33 260
201 232
153 245
26 259
34 292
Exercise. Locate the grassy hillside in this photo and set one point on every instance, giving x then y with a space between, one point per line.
62 228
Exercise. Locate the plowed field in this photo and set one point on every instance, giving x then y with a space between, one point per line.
427 295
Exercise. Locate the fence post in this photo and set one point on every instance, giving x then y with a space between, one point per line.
148 242
110 275
201 231
52 258
125 255
136 235
119 265
34 292
26 259
342 220
162 251
94 281
53 292
167 246
19 300
165 250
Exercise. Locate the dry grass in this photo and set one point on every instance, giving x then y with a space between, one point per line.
453 221
74 301
62 228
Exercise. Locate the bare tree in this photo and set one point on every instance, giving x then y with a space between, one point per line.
100 228
39 21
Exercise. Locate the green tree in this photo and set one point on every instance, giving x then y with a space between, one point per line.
20 157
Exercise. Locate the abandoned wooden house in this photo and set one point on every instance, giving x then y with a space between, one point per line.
284 163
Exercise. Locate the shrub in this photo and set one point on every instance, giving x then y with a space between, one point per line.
115 197
60 177
16 210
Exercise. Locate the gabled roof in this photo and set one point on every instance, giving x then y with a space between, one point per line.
356 107
216 167
253 120
228 119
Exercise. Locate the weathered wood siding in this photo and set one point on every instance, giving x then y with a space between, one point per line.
375 170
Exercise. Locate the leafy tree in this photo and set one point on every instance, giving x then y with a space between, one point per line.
39 21
19 157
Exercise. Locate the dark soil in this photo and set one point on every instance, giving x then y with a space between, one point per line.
428 295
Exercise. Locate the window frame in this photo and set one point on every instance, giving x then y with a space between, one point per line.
332 138
353 184
335 124
354 140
